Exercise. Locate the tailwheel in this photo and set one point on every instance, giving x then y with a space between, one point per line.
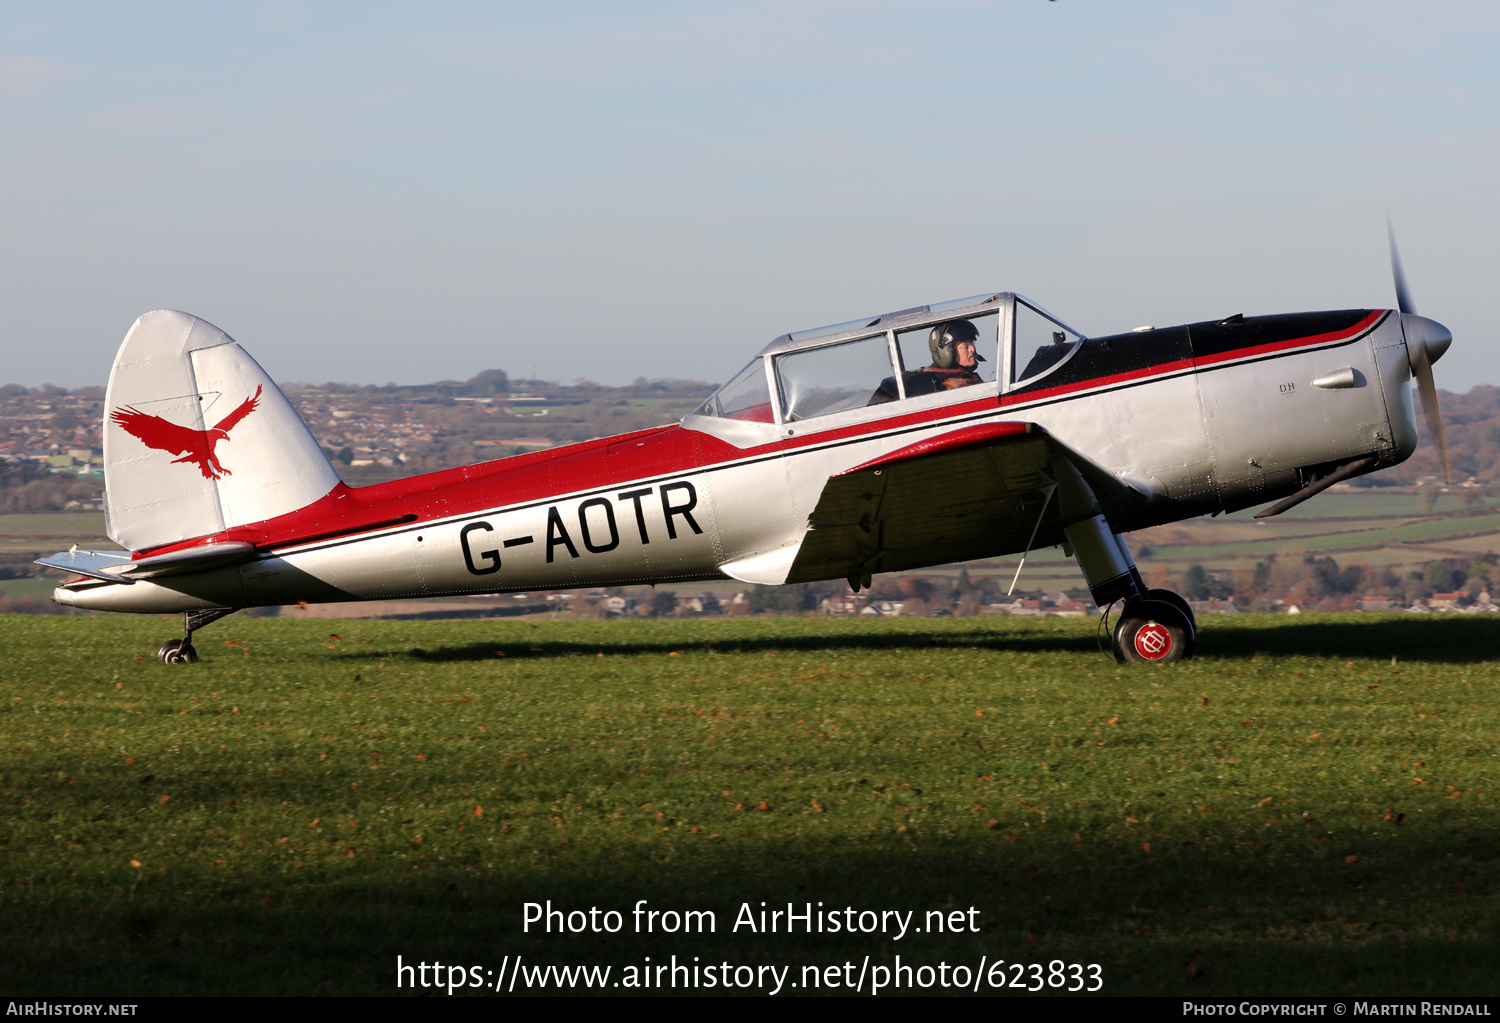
180 651
1153 632
177 651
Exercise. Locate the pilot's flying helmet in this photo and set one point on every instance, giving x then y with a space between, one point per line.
944 336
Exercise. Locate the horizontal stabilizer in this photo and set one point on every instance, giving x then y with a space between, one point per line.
94 564
119 567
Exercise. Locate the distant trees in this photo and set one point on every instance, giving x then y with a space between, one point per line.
663 602
797 597
486 383
1195 584
28 487
1442 579
905 587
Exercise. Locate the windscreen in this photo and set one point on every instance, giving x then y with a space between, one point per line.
747 396
822 381
1040 343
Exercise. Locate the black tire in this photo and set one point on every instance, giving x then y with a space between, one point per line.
1178 601
177 651
1152 632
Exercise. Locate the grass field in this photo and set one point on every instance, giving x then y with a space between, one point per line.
35 586
1293 812
30 535
68 526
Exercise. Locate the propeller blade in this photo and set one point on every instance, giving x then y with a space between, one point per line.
1403 296
1418 356
1421 369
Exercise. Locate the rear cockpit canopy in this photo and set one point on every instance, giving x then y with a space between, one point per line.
911 355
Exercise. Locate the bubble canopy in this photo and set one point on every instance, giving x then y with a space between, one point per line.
865 322
786 381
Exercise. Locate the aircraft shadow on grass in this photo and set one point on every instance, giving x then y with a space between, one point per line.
1444 639
1469 639
976 640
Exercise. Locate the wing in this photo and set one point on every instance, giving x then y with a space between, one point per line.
156 432
982 491
246 407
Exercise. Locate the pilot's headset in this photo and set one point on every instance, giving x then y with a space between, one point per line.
945 335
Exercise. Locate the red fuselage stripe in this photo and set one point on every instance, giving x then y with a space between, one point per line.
1160 369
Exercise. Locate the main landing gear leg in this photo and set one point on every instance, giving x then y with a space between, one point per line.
1156 625
180 651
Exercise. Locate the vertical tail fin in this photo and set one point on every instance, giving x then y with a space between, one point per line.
198 439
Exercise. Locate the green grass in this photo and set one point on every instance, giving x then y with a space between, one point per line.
1374 501
35 586
1422 530
303 809
61 525
46 532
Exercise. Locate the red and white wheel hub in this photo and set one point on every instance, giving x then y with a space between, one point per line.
1153 641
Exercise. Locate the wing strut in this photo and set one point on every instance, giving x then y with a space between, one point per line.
1052 489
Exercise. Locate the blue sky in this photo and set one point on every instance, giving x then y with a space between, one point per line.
397 192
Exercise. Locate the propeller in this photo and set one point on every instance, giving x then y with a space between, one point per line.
1417 353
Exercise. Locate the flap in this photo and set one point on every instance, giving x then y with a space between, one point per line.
977 492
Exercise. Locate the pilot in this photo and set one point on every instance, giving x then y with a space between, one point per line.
955 359
955 363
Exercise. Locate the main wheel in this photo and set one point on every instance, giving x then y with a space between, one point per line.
1152 632
177 651
1178 601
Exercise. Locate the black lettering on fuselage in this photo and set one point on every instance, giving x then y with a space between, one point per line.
609 520
634 496
668 509
493 557
598 537
557 535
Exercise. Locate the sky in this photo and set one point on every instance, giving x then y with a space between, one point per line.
375 192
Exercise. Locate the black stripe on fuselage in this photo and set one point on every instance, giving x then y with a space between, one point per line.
1100 357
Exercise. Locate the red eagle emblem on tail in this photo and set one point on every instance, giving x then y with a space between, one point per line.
192 445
